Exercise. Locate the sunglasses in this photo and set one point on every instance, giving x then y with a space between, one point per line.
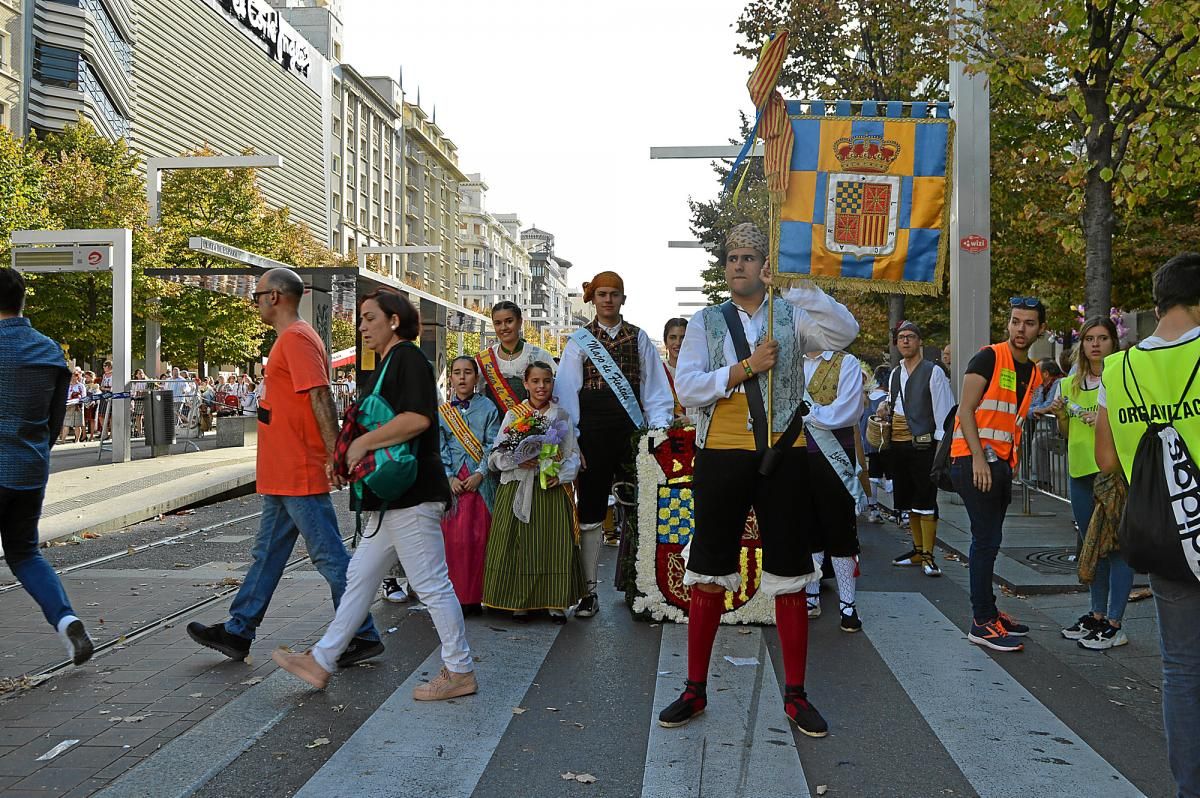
1024 302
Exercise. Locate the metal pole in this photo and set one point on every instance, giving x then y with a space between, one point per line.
122 297
970 210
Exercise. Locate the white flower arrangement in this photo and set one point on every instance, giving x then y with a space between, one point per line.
760 609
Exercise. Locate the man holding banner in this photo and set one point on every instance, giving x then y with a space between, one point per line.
612 383
734 357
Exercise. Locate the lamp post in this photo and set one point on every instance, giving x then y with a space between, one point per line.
154 169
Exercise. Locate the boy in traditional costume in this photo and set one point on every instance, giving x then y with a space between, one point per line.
532 560
728 388
612 383
469 425
919 401
834 383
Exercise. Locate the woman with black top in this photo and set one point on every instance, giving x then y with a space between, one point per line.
410 528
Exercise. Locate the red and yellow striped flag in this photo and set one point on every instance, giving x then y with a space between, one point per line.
775 128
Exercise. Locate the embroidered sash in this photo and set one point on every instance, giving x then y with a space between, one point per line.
490 368
844 465
462 431
611 372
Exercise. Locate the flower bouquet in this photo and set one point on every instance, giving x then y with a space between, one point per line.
532 436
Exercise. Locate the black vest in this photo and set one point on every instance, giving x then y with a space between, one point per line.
918 401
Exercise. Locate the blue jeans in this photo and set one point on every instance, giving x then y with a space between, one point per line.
283 518
986 511
1113 578
1178 606
19 514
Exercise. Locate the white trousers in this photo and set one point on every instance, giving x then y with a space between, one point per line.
413 535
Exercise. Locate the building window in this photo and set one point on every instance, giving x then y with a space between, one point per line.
56 66
337 164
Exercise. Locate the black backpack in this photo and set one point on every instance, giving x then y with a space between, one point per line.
940 472
1156 534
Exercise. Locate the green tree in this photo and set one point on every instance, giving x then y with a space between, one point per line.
342 333
91 182
1119 78
201 326
23 204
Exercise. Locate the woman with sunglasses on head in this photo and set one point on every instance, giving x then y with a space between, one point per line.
502 365
1076 409
408 528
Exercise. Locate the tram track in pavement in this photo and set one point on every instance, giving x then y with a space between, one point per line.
150 627
135 629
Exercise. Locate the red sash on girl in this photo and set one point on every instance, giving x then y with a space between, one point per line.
462 431
490 367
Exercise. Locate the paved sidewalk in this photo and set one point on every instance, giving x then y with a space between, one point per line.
109 496
1037 555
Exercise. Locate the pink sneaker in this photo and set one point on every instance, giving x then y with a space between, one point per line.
447 684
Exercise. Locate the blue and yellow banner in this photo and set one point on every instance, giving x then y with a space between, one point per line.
867 206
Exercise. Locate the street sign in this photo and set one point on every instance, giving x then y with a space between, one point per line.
973 243
77 258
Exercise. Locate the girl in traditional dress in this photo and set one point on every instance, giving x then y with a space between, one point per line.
469 424
502 365
532 552
673 333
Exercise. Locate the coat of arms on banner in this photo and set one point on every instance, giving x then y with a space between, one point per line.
665 525
867 203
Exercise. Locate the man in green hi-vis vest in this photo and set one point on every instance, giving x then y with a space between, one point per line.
1167 389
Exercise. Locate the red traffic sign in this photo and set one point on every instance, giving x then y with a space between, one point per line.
94 258
973 243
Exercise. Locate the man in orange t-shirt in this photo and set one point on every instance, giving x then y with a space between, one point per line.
297 429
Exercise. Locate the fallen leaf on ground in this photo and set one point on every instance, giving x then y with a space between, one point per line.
582 778
318 742
745 631
519 710
339 708
822 789
89 536
253 681
552 709
366 665
135 718
195 695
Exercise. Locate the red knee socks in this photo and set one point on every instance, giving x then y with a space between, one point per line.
791 619
704 616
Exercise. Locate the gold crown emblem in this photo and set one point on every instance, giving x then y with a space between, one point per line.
866 153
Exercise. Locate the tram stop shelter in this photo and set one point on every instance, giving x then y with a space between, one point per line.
329 291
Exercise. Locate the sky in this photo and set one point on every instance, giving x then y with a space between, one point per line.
557 104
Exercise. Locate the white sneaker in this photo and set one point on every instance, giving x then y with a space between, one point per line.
1108 638
75 638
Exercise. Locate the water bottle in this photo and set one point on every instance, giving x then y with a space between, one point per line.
990 455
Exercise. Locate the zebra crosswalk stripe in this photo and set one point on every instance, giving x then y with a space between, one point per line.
415 749
742 746
981 714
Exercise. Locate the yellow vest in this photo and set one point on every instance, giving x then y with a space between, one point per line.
1161 375
1081 437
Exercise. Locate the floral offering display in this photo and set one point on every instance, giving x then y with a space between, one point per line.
530 437
664 528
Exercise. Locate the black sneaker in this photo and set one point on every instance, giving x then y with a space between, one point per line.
588 606
910 557
802 713
78 642
216 638
1086 625
851 622
360 649
1011 626
687 706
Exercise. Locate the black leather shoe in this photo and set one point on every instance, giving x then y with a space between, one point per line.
360 649
215 637
588 606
